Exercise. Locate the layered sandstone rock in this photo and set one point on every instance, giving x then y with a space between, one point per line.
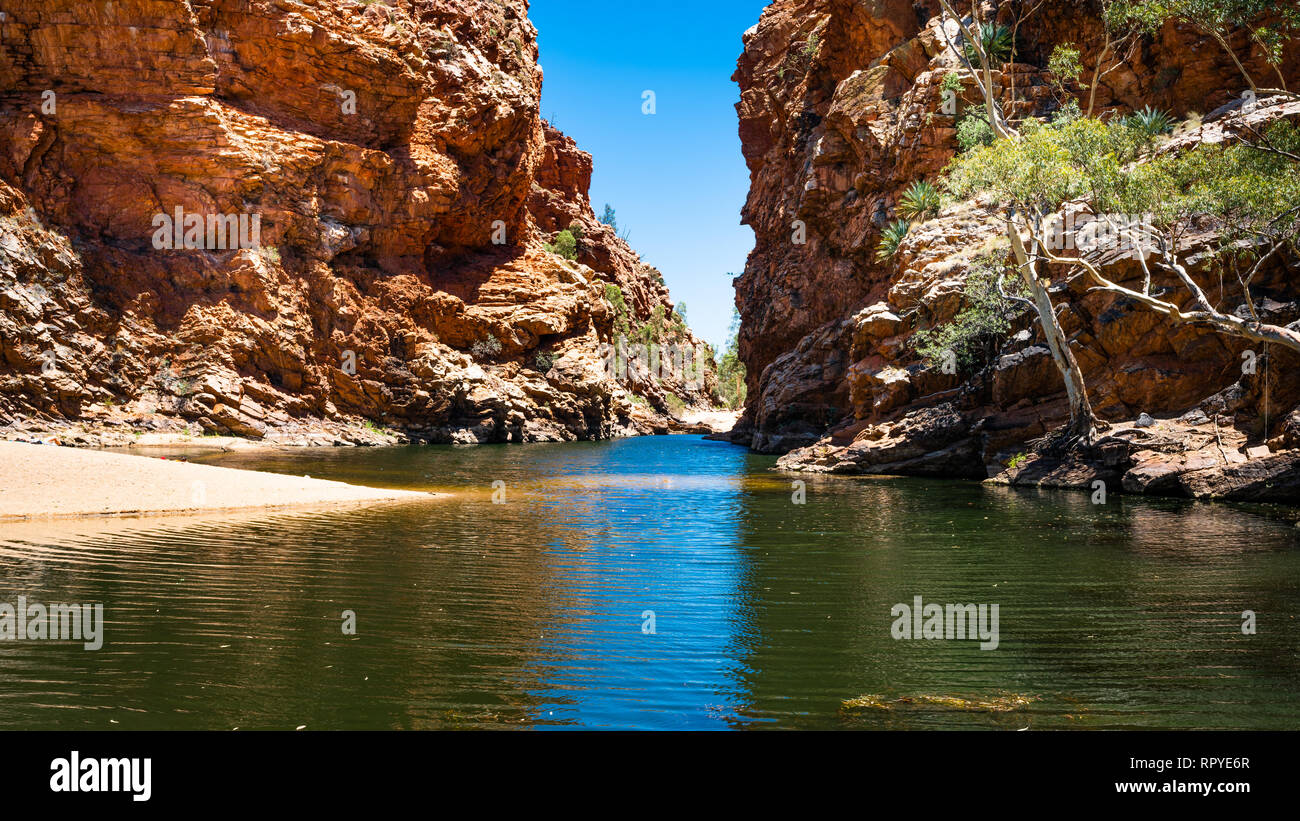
841 109
405 185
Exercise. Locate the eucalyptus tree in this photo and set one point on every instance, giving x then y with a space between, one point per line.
1019 216
1248 192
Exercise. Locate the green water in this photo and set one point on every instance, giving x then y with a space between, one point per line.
767 613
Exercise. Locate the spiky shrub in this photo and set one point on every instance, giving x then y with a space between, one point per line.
1149 123
920 201
996 41
891 238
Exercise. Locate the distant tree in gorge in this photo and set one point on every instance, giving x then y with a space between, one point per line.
731 371
608 218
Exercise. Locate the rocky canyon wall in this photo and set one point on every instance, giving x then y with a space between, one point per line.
841 109
404 187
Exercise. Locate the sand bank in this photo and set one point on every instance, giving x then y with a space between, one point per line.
41 481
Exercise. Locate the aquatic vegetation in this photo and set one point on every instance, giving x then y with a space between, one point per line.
997 704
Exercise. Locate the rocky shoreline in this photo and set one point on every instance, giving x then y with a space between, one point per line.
121 430
1193 456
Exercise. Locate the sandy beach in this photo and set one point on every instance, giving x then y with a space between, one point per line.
46 481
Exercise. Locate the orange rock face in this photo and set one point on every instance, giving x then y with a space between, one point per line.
841 110
391 158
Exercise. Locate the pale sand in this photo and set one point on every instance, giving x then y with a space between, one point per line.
720 421
42 481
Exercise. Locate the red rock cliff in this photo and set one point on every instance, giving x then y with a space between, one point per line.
840 111
405 185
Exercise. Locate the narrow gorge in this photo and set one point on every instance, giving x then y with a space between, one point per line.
336 394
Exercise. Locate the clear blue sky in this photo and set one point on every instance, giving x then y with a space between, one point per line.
676 178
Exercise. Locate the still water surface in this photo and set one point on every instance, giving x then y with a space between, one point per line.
530 613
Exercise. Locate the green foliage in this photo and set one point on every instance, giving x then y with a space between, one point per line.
1150 123
566 245
680 311
1067 113
674 403
1048 165
920 201
1017 460
1271 24
653 331
1252 194
976 333
997 42
973 131
1217 16
952 82
544 361
1247 192
622 321
659 329
811 45
487 348
1065 66
731 371
608 217
576 229
891 238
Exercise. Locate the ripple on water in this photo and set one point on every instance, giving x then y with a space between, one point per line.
538 612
